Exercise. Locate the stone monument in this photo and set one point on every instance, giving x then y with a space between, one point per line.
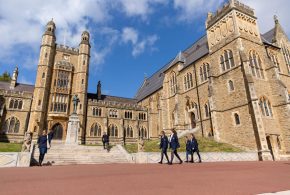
73 124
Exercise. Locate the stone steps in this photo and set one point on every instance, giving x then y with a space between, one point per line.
60 154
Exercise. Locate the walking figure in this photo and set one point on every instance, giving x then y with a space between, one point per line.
42 145
194 145
163 146
174 145
105 140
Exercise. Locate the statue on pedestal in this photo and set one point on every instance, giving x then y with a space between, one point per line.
141 145
76 100
27 143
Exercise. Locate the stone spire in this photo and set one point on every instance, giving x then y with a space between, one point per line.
14 78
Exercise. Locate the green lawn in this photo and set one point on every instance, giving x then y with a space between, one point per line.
205 145
10 147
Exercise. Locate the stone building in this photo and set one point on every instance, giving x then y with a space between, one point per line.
15 106
63 72
233 84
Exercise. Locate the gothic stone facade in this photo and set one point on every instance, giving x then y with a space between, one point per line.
232 84
63 72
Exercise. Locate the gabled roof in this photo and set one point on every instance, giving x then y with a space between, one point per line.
19 87
188 56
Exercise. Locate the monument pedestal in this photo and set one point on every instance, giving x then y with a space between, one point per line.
72 130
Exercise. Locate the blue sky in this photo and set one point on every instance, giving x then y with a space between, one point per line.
130 38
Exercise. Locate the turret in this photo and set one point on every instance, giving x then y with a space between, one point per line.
14 78
43 79
81 75
99 91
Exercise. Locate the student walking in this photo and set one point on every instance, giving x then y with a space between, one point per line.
105 140
194 144
163 146
174 145
42 144
188 148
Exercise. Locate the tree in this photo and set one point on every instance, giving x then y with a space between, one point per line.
5 77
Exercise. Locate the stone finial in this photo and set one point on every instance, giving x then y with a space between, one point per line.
14 78
276 19
99 91
209 15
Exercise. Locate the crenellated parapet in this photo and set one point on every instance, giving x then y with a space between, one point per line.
67 49
231 21
113 104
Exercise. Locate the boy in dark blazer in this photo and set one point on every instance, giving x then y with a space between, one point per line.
194 145
163 146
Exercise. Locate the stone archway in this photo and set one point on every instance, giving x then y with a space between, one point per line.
192 120
57 131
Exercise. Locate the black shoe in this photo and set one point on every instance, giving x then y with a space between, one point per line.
199 161
160 162
186 161
180 162
170 163
191 161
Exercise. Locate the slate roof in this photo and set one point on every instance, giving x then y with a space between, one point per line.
19 87
268 36
108 98
191 54
196 51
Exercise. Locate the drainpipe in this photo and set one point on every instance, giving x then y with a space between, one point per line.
198 100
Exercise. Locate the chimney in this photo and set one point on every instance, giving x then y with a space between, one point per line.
99 91
14 78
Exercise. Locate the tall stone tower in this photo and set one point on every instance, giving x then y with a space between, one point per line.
234 39
43 80
80 85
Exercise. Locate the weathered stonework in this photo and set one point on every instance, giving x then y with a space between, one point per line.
232 84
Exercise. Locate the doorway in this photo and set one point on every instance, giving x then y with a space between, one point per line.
57 131
270 146
192 120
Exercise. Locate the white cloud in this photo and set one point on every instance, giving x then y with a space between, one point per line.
22 22
148 42
191 9
266 9
141 8
131 35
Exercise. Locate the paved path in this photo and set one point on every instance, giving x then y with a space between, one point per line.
206 178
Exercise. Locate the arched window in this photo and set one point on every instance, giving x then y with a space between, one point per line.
265 107
15 104
113 130
142 132
129 131
96 130
256 65
286 54
274 59
237 119
204 72
12 125
173 83
231 85
227 60
188 83
192 107
113 113
206 110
